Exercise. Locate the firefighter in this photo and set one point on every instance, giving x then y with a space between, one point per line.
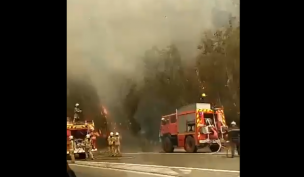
72 148
88 147
117 144
233 138
110 144
233 125
77 111
94 135
203 96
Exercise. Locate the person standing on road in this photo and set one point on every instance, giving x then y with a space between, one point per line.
88 147
234 138
72 148
110 144
233 126
77 111
117 144
94 135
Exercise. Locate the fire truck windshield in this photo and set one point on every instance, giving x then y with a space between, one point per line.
209 116
79 134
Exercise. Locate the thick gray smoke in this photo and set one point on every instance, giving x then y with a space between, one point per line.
106 38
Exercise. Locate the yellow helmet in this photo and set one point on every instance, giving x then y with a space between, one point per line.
203 95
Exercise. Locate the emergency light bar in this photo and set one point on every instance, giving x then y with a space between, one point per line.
205 110
77 127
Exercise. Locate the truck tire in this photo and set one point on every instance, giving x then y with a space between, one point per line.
214 147
190 146
167 145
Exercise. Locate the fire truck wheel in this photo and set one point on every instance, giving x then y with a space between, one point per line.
190 145
167 145
214 147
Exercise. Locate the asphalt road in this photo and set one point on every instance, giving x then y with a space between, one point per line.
83 171
196 160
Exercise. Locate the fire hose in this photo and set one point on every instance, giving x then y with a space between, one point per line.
218 141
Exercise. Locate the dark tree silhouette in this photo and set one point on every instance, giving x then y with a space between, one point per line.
130 105
83 92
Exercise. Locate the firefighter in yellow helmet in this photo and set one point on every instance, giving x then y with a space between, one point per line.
117 145
203 96
71 148
111 143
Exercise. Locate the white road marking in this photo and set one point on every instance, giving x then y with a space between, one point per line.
185 171
155 170
177 153
162 166
144 173
116 158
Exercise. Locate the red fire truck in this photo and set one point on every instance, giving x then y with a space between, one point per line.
192 127
79 130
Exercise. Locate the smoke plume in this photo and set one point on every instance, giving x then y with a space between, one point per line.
106 39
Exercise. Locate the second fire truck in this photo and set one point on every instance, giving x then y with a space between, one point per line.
192 127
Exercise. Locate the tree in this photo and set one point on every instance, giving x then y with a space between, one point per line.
216 73
130 105
218 66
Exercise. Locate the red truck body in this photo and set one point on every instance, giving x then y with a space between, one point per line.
192 127
79 130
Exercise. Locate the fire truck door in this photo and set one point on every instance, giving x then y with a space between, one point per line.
173 125
165 125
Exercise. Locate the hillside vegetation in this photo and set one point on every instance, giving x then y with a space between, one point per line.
216 73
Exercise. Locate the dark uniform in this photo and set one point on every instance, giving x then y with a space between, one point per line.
234 137
77 112
233 127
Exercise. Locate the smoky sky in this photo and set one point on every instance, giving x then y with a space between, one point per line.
106 39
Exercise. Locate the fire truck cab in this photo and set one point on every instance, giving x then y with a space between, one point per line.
79 130
192 127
